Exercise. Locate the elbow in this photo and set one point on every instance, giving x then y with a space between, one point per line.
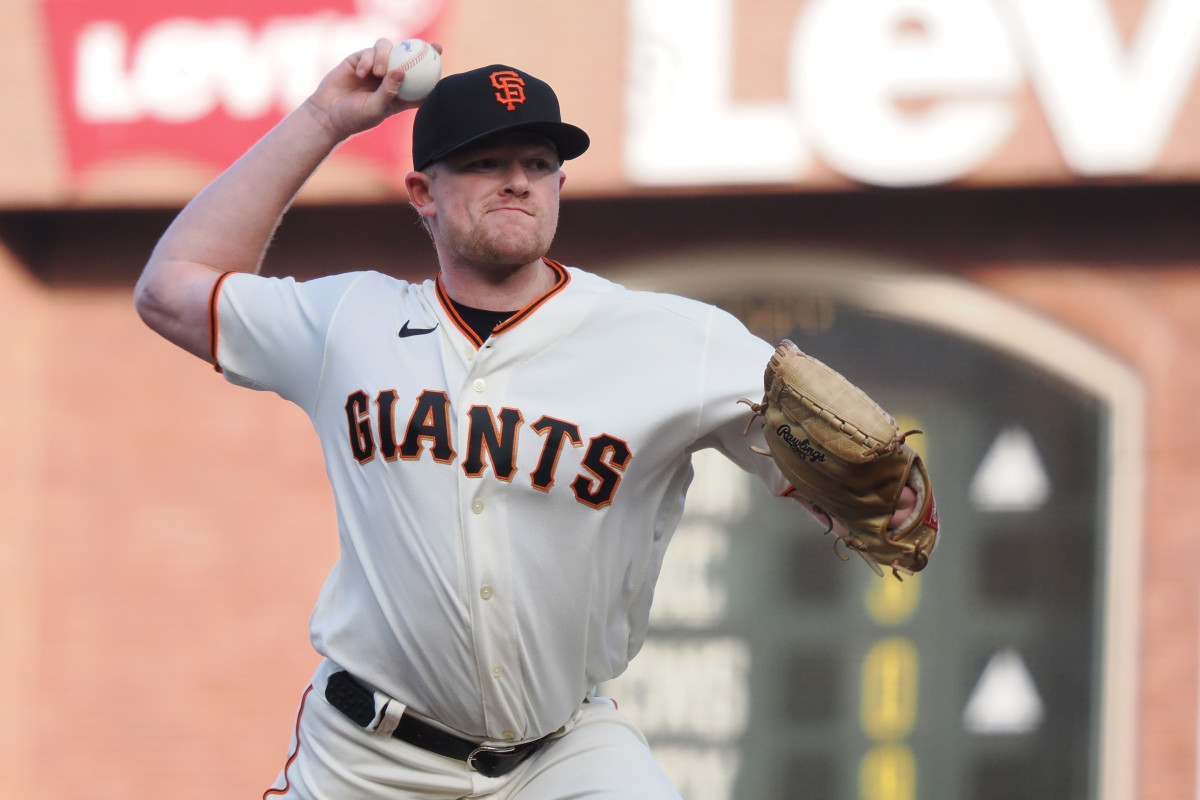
174 304
140 298
149 304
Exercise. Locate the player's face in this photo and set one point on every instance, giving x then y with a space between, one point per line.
497 205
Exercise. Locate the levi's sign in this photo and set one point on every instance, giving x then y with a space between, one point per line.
907 92
203 79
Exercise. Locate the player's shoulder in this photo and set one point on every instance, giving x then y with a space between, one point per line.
644 301
364 282
374 283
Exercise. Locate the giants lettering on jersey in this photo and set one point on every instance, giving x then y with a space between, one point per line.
492 439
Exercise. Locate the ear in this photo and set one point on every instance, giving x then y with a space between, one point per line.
420 194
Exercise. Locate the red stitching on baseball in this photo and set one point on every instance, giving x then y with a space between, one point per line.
416 59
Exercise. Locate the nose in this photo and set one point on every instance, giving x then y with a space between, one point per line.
516 181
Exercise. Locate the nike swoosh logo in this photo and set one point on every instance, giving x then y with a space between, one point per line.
407 331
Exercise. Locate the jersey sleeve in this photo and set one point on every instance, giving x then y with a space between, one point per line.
733 366
270 333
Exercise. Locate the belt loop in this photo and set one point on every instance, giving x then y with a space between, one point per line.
388 717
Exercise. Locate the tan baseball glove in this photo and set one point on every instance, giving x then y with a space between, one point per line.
847 460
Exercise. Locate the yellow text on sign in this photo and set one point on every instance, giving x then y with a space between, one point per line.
888 773
889 689
890 602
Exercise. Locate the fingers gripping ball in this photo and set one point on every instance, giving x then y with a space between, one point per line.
422 65
846 458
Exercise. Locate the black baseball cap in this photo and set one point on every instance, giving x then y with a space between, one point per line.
467 107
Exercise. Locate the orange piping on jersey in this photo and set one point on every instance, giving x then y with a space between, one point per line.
458 321
564 278
560 283
212 317
287 781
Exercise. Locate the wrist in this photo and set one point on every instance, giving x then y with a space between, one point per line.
318 116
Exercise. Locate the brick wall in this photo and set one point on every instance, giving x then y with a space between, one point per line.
164 537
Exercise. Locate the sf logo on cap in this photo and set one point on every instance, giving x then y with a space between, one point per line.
512 88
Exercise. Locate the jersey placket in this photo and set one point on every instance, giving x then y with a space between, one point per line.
489 571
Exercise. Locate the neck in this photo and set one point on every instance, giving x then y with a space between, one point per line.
493 288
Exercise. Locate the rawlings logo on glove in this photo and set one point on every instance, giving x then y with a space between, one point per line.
847 460
801 448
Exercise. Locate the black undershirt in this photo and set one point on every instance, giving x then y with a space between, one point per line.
479 320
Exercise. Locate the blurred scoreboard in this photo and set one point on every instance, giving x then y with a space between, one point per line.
774 670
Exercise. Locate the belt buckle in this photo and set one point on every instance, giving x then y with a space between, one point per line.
489 750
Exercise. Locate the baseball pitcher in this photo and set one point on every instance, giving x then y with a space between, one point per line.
503 508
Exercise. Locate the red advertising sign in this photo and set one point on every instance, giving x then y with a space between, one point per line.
202 80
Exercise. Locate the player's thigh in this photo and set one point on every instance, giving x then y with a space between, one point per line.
331 758
603 757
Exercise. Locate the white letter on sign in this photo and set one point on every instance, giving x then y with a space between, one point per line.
1110 114
171 72
102 89
682 125
855 65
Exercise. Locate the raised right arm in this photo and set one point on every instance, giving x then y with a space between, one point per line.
229 225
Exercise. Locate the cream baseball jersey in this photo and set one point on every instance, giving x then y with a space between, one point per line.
503 506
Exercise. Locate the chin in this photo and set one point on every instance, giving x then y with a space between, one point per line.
516 253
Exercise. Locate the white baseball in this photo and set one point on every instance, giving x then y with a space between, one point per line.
422 66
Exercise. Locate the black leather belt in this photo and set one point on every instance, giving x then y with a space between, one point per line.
357 702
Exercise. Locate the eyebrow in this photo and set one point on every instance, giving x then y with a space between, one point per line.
459 162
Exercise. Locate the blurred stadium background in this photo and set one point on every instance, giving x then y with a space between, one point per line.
985 211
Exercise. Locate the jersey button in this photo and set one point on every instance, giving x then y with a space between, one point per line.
477 506
479 385
486 593
497 671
